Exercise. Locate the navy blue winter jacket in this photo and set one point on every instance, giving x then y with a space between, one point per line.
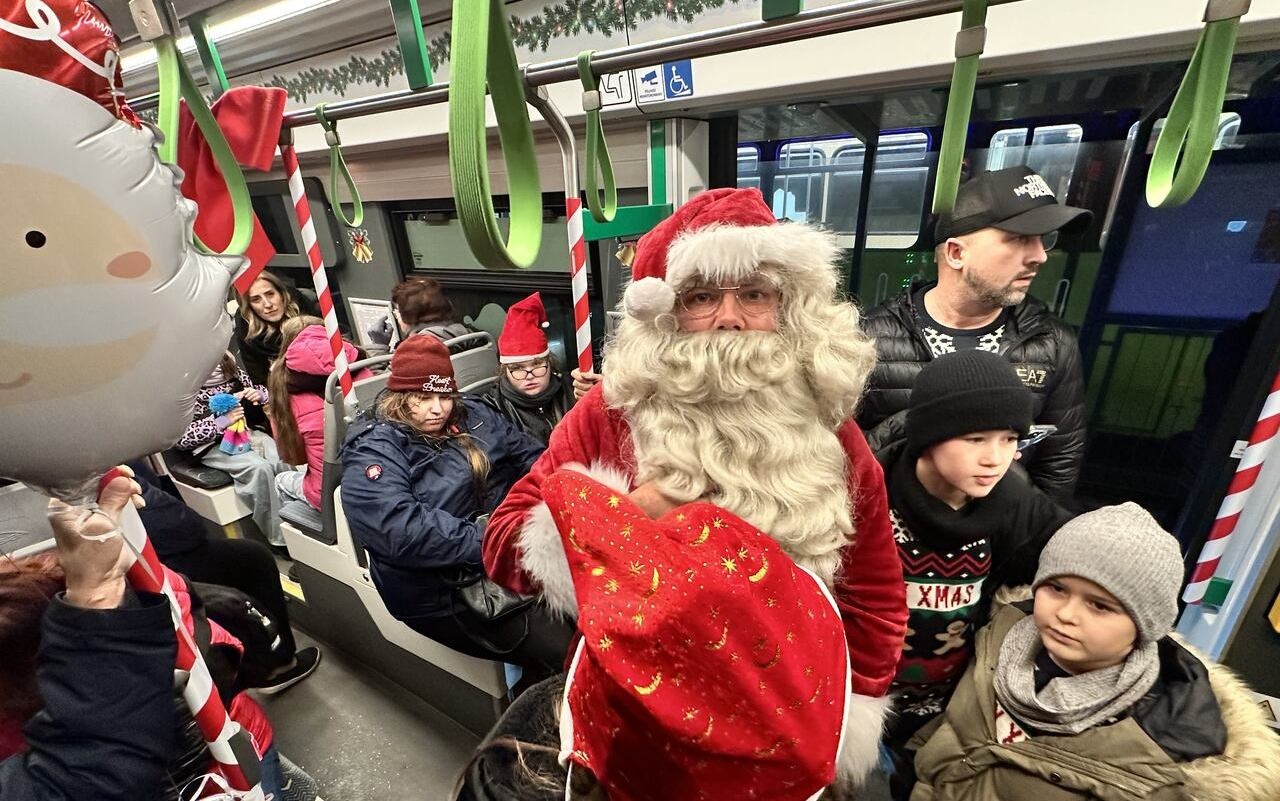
411 502
106 731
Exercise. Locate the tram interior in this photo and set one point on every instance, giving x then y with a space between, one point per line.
1174 308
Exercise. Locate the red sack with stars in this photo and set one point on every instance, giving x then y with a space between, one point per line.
710 666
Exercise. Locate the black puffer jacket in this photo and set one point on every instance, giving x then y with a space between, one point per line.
1042 348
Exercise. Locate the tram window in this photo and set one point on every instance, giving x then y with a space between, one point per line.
1052 153
797 188
1228 129
437 242
898 187
277 222
1005 148
749 166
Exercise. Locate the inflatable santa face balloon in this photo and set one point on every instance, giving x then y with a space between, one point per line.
110 320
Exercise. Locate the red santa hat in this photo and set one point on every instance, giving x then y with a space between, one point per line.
710 664
522 336
726 236
82 53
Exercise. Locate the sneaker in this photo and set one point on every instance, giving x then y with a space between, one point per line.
306 661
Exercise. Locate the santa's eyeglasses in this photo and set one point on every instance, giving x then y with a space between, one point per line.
753 298
525 373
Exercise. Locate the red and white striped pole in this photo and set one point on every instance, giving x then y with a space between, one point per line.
1261 439
319 279
581 305
229 745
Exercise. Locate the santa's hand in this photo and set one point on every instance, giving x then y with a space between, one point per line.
583 382
651 500
91 546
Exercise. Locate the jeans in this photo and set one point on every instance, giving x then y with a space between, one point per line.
254 474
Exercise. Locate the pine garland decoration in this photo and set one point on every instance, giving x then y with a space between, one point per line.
563 19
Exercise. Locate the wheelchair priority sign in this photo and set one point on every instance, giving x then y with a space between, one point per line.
668 81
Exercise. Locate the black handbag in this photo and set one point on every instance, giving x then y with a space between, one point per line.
486 599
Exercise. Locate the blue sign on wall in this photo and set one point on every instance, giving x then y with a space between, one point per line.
678 79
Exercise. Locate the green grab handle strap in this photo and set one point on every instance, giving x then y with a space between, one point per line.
175 80
482 49
1185 145
964 78
603 209
338 169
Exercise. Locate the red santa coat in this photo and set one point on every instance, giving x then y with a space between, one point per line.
869 590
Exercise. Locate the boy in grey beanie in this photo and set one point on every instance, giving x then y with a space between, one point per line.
1089 697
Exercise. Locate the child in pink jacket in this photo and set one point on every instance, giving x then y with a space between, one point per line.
297 382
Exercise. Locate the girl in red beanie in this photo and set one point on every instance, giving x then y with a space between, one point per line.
420 476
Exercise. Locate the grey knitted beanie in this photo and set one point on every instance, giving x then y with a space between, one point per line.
1123 550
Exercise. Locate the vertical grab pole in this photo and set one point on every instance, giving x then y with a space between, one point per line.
1264 435
229 745
541 100
319 278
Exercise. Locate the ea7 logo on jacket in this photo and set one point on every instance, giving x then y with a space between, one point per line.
1032 377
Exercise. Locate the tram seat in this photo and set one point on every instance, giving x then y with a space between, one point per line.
334 552
208 491
305 516
475 360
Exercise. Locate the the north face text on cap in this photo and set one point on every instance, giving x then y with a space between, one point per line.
1033 186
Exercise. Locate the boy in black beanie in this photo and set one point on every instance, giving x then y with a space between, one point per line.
962 524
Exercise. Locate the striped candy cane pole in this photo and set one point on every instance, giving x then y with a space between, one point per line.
228 743
581 308
1261 439
302 213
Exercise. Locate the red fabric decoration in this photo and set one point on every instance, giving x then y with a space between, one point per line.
522 337
70 43
869 587
743 208
250 117
710 665
421 364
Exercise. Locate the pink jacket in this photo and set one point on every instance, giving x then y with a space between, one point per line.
310 353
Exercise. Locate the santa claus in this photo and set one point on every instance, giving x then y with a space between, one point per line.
733 379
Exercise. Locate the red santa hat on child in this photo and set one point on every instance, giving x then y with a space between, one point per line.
710 664
522 336
726 236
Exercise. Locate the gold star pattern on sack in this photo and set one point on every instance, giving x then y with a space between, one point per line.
690 714
742 553
635 568
680 517
771 602
717 523
613 501
605 643
626 532
791 636
611 585
582 493
729 565
638 619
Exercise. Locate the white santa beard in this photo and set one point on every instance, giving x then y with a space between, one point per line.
730 416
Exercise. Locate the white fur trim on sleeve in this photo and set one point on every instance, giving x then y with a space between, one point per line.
542 550
864 719
542 555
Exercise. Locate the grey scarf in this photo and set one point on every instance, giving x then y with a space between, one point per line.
1072 704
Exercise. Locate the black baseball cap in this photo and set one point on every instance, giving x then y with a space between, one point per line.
1015 199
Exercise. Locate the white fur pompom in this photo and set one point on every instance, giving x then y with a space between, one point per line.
649 297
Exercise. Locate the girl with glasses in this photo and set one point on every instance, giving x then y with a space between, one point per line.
531 391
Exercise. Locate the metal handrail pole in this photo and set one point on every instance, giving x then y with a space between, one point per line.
816 22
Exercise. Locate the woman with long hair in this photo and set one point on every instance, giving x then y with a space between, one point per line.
420 477
531 391
263 310
296 383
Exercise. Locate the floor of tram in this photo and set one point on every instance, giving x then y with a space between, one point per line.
365 738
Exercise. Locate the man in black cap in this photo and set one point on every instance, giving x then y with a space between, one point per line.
988 251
